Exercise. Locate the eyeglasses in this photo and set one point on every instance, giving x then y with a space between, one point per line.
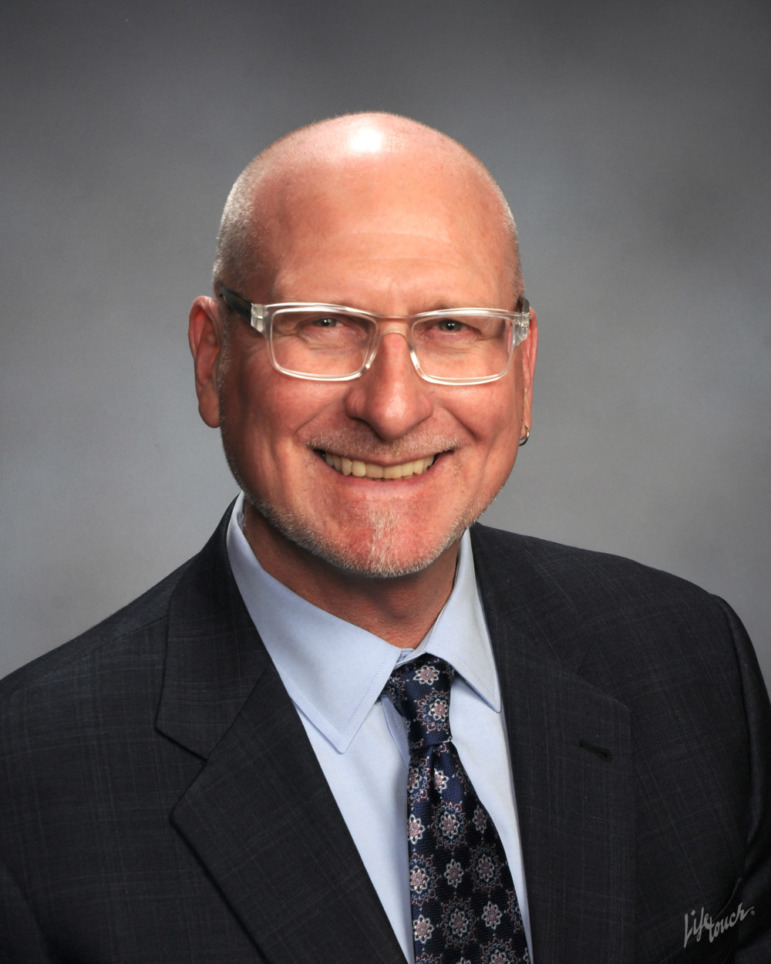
321 342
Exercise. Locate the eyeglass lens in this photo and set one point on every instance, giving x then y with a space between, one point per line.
458 344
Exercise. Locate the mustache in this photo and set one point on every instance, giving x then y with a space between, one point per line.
364 445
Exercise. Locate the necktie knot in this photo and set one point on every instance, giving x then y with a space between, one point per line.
420 692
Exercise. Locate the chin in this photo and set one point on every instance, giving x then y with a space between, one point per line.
382 551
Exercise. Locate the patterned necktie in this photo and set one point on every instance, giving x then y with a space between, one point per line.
464 908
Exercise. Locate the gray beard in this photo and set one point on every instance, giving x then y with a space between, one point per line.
384 531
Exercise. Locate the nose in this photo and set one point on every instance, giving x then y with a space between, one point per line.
390 396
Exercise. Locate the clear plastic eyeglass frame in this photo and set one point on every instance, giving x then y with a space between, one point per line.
260 317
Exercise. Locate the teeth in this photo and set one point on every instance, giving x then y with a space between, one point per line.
368 470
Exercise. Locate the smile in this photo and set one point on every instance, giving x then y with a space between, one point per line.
369 470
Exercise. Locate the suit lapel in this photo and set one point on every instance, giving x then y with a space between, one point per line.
260 816
571 757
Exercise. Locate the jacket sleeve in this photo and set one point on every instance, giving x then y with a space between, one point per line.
754 937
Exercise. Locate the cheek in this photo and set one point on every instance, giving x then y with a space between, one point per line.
496 433
265 414
245 422
493 417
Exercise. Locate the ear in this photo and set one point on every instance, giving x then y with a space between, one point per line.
529 352
205 338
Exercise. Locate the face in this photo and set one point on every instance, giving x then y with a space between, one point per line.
381 475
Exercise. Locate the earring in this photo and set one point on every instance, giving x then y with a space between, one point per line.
525 437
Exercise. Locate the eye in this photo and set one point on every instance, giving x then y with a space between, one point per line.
336 330
450 325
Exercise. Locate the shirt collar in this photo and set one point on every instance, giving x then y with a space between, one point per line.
335 671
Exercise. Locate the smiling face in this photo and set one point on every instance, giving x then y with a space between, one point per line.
380 475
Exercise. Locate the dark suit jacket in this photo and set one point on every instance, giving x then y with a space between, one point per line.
160 802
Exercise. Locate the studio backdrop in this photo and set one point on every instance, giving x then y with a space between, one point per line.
632 140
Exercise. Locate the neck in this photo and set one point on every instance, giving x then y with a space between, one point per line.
399 609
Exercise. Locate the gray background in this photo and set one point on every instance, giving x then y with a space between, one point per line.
633 142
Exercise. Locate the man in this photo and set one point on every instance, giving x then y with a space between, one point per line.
220 771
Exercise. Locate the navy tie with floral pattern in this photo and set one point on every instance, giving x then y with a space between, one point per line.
464 907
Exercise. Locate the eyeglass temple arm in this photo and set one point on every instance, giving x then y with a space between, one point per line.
254 314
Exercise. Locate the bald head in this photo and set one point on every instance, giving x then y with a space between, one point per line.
400 223
387 168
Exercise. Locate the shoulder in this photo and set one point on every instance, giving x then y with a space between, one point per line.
106 680
618 623
566 564
135 634
581 581
110 679
132 628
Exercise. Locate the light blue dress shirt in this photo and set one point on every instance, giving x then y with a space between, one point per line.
335 672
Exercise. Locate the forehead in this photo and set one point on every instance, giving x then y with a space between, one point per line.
386 220
385 272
